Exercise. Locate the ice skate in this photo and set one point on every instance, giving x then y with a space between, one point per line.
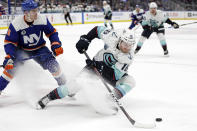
166 53
41 104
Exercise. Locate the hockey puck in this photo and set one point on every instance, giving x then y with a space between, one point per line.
158 119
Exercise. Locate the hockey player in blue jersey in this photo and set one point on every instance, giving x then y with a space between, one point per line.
136 16
25 38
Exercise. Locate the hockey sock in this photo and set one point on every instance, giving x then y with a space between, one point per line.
140 43
58 93
55 70
61 80
137 49
112 26
164 47
121 90
3 83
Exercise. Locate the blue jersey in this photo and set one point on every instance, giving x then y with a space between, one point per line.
137 15
29 37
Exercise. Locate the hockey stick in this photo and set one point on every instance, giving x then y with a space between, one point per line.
188 23
31 57
179 25
132 121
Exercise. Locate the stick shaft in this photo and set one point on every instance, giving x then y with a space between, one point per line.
31 57
179 25
113 96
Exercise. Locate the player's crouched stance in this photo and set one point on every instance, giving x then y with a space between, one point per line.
113 61
25 38
154 22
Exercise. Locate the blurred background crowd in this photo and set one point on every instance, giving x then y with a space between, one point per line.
55 6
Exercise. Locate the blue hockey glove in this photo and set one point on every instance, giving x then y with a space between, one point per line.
8 63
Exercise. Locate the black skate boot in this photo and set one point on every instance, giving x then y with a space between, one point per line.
43 102
166 53
137 49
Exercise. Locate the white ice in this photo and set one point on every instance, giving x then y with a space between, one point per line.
165 87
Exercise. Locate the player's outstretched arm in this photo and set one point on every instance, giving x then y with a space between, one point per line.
174 24
52 34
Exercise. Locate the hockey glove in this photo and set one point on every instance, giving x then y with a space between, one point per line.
92 63
175 25
8 63
135 22
82 44
56 48
154 29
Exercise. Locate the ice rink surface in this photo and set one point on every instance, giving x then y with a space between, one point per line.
166 87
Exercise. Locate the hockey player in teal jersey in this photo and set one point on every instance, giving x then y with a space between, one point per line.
154 22
112 61
107 14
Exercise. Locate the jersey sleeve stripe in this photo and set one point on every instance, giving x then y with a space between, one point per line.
55 43
10 42
48 35
6 74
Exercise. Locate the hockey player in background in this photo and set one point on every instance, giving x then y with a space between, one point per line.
154 22
112 61
136 16
66 11
107 14
25 38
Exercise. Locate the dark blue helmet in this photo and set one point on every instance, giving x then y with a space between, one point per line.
29 5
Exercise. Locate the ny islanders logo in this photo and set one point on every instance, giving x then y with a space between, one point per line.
32 39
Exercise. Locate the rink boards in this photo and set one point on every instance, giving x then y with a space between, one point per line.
97 17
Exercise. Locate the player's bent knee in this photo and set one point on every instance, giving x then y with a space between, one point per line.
123 88
130 81
125 85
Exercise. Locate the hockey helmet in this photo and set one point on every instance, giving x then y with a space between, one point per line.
28 5
137 6
104 2
152 5
128 37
